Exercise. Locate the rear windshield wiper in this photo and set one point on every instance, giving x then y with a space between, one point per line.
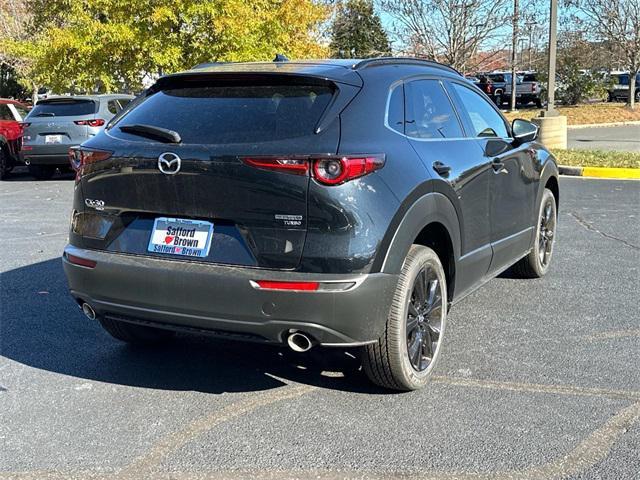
45 114
158 133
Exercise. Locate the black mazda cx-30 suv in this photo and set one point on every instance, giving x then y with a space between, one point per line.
335 203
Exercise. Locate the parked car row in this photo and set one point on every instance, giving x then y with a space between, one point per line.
41 138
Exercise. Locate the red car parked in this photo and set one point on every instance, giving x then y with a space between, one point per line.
11 114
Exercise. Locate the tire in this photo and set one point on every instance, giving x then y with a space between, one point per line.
135 334
538 102
498 99
42 172
536 263
5 165
387 362
637 96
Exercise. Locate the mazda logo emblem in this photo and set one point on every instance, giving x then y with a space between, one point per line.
169 163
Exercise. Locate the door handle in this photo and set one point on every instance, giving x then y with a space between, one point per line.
441 169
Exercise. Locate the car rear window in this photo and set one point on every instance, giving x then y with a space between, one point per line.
64 108
233 114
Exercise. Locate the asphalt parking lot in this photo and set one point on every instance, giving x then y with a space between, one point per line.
621 137
539 379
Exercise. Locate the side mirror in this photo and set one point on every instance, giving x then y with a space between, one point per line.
524 131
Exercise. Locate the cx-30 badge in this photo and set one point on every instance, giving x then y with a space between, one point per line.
169 163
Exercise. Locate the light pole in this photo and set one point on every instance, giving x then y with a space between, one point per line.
514 46
551 111
553 126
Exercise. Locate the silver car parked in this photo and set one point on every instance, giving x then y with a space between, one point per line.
57 123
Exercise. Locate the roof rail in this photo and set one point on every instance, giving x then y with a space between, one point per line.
402 60
208 64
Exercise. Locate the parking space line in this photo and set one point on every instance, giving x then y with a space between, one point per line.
175 440
614 334
539 388
588 453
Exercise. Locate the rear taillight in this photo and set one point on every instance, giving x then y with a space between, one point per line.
24 124
297 166
79 158
489 88
98 122
326 169
533 87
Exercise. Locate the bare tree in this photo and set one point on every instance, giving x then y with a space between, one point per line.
449 31
616 22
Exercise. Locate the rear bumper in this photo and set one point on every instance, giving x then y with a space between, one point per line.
29 158
221 300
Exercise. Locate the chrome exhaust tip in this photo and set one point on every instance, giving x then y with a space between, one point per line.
88 310
299 342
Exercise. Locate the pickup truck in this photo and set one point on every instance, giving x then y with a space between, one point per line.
11 114
497 85
620 89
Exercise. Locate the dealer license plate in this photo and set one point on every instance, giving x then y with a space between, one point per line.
176 236
48 139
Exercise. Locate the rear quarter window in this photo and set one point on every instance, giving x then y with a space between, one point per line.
5 112
233 114
64 108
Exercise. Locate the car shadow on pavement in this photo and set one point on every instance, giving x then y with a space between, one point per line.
21 174
42 327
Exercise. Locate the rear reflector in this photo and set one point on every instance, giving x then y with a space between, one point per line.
83 262
277 285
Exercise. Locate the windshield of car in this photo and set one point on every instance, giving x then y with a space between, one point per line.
232 113
64 108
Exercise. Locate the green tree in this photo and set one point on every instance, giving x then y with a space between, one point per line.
357 31
110 45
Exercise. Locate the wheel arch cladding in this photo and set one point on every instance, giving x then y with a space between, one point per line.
552 184
431 221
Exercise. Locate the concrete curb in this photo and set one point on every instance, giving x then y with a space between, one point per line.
594 125
600 172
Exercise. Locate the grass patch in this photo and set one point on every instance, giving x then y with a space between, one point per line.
597 158
585 114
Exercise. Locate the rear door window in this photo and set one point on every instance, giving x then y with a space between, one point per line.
429 111
64 108
233 113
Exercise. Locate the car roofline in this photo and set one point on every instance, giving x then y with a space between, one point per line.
349 63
